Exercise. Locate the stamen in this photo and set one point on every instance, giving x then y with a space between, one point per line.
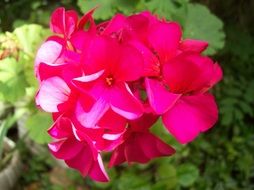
109 81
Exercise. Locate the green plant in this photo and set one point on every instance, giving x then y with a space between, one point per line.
17 80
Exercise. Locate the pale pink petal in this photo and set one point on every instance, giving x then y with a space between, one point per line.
190 116
91 117
193 45
159 97
53 92
48 53
123 102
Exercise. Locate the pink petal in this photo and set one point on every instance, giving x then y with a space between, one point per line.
193 45
66 149
94 60
144 122
112 121
62 128
133 152
160 99
91 117
151 63
153 147
88 17
117 23
190 116
53 93
98 172
124 103
164 39
82 161
217 75
63 22
118 156
188 72
130 66
48 54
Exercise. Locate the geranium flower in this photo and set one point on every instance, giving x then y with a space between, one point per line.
107 84
107 73
76 149
138 144
182 98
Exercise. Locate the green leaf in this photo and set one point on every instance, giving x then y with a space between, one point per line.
104 10
30 36
12 80
168 9
202 24
165 176
187 174
37 126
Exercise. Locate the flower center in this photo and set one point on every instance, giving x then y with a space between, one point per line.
110 80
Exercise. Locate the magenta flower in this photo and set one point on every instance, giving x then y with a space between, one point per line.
108 72
182 98
140 145
76 149
106 85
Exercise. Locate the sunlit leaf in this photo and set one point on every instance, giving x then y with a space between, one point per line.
37 125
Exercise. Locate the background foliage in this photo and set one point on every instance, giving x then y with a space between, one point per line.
221 159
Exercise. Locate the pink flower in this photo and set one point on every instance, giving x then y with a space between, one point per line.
76 149
140 145
182 98
107 84
107 73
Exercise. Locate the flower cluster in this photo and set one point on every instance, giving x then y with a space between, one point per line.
106 85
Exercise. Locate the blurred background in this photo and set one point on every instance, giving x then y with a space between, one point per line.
222 158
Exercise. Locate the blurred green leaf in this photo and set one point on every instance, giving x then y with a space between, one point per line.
165 176
104 10
201 24
30 36
13 82
187 174
37 124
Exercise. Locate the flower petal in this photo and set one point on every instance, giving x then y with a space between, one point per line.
190 116
130 66
124 103
164 39
98 172
153 147
53 93
62 128
65 149
193 45
160 99
82 161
